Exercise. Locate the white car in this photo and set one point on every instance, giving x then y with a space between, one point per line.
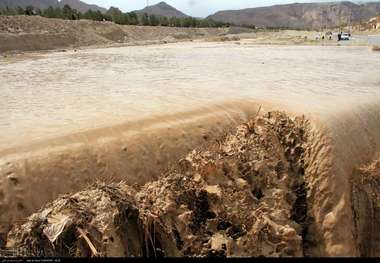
345 36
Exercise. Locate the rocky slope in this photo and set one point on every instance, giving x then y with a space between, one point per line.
301 15
43 4
81 6
162 9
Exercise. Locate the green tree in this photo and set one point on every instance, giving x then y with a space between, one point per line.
145 20
29 10
38 12
94 15
175 22
88 15
20 10
117 16
10 11
189 22
164 21
153 20
58 13
99 16
133 18
49 12
69 13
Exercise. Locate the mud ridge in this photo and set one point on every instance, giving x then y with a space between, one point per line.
250 193
366 207
242 195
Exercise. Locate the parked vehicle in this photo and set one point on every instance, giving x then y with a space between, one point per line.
345 36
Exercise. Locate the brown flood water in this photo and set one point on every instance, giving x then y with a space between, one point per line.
61 93
68 119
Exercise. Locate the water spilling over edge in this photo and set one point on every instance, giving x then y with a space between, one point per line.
332 152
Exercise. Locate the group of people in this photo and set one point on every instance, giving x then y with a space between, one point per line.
328 36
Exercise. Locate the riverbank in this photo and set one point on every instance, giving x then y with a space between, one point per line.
19 34
34 33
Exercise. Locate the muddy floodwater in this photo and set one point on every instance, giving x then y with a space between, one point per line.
58 93
130 114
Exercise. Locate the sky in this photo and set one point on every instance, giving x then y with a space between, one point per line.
196 8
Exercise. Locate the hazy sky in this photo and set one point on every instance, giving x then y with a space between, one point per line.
197 8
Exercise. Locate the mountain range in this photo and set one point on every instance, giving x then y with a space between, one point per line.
301 15
297 15
43 4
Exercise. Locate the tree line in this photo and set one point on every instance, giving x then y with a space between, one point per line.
115 15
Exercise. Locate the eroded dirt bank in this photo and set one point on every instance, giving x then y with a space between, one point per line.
240 196
138 152
273 187
26 33
34 33
366 206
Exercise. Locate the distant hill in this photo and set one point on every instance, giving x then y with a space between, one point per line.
301 15
43 4
81 6
162 9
